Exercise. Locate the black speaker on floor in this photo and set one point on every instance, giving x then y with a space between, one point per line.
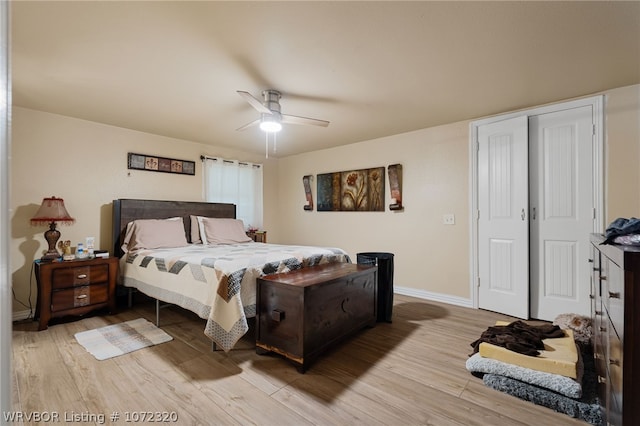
384 261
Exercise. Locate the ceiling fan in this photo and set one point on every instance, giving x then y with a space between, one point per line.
271 118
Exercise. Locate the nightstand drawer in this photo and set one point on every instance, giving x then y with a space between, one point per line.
79 276
79 296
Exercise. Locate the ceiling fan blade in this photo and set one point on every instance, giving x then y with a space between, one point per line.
293 119
254 102
246 126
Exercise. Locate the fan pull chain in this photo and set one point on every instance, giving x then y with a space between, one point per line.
266 143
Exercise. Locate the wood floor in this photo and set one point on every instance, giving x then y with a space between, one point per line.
409 372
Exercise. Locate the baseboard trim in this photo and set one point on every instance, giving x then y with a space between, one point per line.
21 315
436 297
405 291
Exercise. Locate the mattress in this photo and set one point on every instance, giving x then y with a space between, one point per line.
217 282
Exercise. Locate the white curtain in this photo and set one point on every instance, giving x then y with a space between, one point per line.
237 182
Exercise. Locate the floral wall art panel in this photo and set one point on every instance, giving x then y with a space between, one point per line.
328 192
354 190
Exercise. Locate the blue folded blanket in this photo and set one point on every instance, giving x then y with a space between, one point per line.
621 226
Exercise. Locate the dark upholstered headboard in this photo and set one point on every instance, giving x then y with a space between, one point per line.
127 210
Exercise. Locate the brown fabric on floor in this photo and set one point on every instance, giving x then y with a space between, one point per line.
519 337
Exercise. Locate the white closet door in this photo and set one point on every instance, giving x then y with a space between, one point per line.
562 211
503 222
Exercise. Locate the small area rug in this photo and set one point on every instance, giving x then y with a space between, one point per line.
118 339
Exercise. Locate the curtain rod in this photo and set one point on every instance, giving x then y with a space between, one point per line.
244 163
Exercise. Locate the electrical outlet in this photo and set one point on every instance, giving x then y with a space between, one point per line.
449 219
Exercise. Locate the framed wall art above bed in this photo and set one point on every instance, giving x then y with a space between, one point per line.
153 163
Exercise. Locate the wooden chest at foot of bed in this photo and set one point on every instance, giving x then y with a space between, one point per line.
302 313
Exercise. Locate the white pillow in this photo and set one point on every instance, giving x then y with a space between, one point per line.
195 230
222 231
203 236
154 233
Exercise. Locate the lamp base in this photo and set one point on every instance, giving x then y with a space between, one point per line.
52 235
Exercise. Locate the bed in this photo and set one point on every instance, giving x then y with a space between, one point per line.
211 269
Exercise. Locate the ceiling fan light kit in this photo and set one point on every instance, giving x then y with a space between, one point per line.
271 118
270 123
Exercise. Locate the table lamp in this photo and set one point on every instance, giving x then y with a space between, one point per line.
51 212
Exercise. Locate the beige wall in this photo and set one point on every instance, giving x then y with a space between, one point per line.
428 255
622 153
85 163
432 259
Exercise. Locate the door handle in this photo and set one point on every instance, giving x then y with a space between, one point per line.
533 215
523 214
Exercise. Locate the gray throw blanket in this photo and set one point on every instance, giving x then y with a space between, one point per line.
572 388
586 407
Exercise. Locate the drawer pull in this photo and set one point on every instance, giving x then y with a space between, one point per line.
598 312
343 304
603 278
614 295
602 379
82 276
82 296
277 315
614 362
603 329
591 296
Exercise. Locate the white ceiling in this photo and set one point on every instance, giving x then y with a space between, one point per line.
370 68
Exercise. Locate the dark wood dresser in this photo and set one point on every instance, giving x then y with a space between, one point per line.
615 290
300 314
75 287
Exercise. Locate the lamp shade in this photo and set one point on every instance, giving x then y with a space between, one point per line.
52 210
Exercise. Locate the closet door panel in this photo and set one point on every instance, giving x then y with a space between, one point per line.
503 237
562 211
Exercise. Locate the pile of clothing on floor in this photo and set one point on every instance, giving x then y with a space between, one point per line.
547 364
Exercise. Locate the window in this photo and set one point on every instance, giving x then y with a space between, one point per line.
240 183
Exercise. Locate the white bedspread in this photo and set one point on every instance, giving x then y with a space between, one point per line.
217 282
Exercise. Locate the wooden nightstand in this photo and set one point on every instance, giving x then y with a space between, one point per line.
258 236
75 287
